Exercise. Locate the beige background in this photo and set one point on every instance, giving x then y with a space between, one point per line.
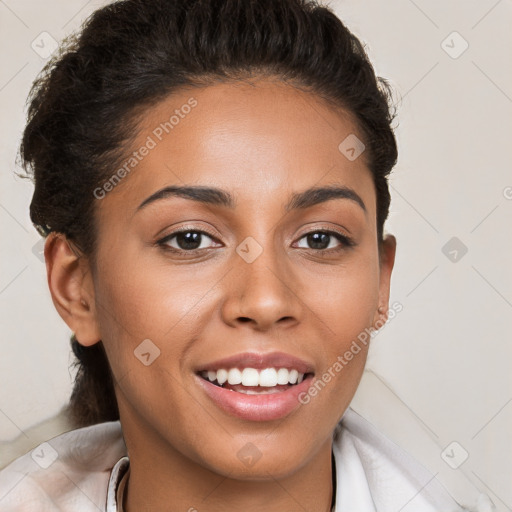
439 372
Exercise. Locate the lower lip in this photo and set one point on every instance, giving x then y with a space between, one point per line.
265 407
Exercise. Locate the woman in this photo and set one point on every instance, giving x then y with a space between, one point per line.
211 177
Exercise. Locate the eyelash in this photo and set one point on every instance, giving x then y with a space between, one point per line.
346 242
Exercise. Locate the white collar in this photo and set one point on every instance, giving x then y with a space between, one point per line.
116 485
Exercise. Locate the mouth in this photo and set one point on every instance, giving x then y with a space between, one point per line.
256 387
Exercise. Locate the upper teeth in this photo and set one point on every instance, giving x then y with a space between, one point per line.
251 377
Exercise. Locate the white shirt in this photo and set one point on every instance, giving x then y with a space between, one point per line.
85 470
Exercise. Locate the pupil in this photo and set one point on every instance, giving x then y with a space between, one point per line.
190 239
319 240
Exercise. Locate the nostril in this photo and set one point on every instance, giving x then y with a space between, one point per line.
244 319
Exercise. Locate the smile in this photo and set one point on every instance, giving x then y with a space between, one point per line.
256 387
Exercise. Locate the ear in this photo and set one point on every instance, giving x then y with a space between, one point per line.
387 261
71 287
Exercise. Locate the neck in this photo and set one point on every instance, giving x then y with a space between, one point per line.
160 475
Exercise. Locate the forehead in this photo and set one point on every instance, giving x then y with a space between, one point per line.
262 141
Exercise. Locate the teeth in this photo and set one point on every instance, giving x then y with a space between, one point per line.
234 376
269 377
282 376
263 392
250 377
222 376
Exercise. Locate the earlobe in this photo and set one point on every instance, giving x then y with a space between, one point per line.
71 287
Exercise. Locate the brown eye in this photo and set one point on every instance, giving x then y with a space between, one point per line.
186 240
322 240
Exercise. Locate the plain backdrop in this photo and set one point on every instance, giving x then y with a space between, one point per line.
438 380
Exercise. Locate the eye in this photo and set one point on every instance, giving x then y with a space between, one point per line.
186 240
322 240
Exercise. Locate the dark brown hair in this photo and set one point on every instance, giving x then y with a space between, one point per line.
85 104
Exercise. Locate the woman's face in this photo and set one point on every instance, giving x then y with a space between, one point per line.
251 279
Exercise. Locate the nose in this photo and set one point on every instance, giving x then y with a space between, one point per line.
263 293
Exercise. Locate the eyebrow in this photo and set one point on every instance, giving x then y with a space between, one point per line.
218 197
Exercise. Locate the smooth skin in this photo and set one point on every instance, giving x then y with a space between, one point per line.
261 142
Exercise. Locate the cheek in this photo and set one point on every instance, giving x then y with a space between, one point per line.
142 312
344 300
140 299
343 310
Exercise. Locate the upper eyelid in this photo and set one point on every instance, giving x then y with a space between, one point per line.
186 229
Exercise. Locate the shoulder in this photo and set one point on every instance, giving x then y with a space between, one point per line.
386 476
68 472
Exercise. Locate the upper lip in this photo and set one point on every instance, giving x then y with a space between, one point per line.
259 362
